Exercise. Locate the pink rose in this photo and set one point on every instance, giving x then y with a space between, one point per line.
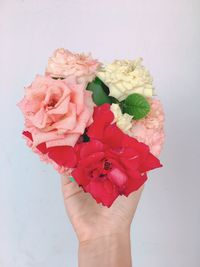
65 64
56 111
150 130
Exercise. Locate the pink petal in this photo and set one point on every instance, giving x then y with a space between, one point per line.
118 177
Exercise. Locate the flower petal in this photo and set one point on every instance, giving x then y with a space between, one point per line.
117 177
90 148
63 156
135 181
150 163
102 117
102 191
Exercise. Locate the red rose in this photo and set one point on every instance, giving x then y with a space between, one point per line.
112 163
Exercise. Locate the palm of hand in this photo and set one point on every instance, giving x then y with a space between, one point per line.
91 220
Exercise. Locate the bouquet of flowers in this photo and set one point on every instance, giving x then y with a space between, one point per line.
99 124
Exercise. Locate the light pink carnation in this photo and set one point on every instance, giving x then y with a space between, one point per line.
65 64
150 130
45 158
56 111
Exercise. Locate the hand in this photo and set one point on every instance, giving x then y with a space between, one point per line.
99 227
91 220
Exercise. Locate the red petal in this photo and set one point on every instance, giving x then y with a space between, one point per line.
131 164
133 143
102 117
150 163
42 148
92 160
135 181
89 148
113 136
102 191
81 176
27 134
63 156
117 177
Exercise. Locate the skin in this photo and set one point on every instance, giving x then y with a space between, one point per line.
103 233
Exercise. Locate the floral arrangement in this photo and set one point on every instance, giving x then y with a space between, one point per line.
99 124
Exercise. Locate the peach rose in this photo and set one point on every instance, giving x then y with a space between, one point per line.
56 111
65 64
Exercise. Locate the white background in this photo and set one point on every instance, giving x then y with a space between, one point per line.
34 230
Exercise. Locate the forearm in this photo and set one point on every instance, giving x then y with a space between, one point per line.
108 251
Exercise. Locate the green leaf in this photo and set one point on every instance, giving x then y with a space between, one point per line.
85 137
97 81
99 95
135 105
114 100
71 179
105 87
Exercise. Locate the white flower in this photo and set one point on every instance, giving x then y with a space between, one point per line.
125 77
123 121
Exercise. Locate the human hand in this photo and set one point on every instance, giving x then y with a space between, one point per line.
100 230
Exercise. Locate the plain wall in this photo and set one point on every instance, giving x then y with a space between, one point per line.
34 230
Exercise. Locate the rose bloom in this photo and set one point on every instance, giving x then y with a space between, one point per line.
112 163
56 111
125 77
66 64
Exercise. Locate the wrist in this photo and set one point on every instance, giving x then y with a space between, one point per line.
90 232
113 250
